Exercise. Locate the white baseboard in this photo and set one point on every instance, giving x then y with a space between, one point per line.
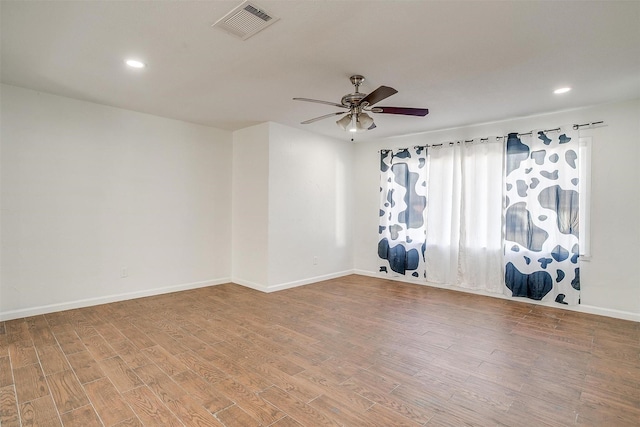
288 285
34 311
294 284
249 284
609 312
588 309
88 302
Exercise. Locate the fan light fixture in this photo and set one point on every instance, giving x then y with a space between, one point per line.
355 122
344 122
353 126
365 121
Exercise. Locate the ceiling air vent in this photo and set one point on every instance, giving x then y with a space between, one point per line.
245 20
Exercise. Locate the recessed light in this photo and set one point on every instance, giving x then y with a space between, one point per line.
562 90
134 63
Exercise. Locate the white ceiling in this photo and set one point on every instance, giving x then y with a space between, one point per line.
467 61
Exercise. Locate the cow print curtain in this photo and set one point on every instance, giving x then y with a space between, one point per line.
403 202
541 245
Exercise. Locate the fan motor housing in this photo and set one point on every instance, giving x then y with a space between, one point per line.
352 99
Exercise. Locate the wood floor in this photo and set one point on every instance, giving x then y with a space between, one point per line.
353 351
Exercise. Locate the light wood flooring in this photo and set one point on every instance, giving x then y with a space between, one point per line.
353 351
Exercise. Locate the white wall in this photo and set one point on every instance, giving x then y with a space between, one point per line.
310 193
250 202
88 190
609 281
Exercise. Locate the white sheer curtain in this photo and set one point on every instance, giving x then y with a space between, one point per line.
464 215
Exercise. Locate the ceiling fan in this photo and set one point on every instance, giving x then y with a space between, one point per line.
359 104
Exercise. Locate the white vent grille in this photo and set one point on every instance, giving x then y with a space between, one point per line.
245 20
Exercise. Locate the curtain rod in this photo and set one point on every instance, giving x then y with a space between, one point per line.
546 130
575 127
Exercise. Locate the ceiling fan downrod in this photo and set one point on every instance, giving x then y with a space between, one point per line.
356 80
352 100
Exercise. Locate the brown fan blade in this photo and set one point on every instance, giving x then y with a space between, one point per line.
317 101
306 122
399 110
378 95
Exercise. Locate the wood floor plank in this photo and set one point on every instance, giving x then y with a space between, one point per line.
422 381
4 346
487 392
121 375
175 398
596 415
425 398
158 381
81 417
6 375
374 382
250 402
342 411
252 354
149 409
40 411
98 347
330 384
165 341
17 330
85 366
165 360
211 398
552 414
43 336
200 366
192 414
52 359
622 392
131 355
22 353
286 422
369 388
138 338
8 407
296 386
108 403
246 375
297 409
383 417
83 328
30 383
109 332
66 391
547 389
234 416
130 422
611 403
208 337
69 341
